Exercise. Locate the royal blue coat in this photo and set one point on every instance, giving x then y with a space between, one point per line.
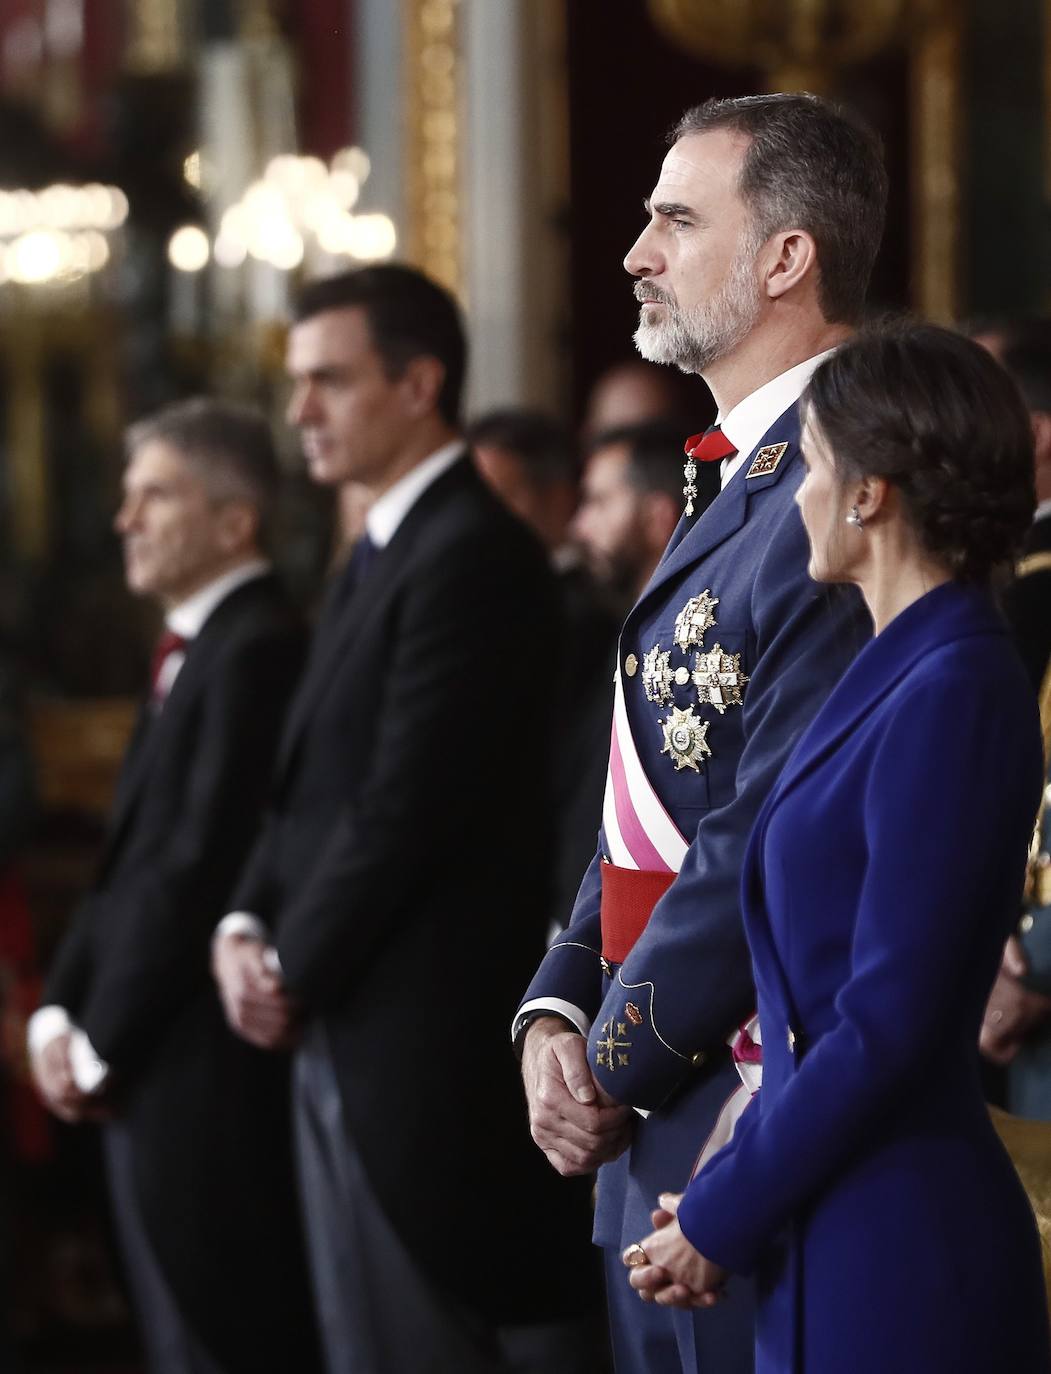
865 1185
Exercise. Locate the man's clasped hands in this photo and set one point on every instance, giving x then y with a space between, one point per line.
579 1126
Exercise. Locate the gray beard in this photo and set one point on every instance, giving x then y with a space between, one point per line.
692 340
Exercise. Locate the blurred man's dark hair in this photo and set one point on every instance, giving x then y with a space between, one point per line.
409 316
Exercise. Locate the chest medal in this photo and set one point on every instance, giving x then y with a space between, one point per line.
685 739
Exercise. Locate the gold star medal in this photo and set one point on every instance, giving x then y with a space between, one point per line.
718 679
685 739
694 619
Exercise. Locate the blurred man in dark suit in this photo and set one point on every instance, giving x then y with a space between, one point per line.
196 1135
530 461
401 884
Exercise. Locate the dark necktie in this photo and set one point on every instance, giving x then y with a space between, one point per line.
710 447
169 643
347 582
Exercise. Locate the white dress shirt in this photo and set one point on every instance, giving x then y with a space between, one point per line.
749 420
381 524
186 620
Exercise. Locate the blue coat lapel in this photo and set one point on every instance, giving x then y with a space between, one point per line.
693 538
948 613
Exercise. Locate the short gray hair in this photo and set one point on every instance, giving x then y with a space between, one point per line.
230 446
809 165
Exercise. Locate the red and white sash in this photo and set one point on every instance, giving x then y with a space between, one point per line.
639 832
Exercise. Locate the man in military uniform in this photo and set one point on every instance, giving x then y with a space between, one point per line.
760 239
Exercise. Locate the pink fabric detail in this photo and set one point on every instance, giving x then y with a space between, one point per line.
636 841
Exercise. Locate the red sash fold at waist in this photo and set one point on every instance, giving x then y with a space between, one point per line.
628 897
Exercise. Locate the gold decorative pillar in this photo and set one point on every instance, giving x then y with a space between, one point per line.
154 36
935 94
431 82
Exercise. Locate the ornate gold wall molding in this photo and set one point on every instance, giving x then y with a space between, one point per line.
154 36
937 122
433 138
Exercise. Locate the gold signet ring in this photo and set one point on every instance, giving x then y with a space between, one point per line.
635 1255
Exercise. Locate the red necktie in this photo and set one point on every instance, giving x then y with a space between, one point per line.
169 643
709 447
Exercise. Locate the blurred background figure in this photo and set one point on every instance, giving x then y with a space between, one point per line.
23 1129
196 1131
530 461
632 392
1024 349
631 501
1016 1032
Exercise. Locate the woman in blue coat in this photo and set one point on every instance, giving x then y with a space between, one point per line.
865 1185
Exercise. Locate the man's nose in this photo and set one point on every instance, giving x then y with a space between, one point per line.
642 259
126 514
300 405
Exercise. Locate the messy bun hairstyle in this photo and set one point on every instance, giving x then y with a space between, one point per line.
935 415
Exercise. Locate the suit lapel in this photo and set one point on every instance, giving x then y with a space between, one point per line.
333 644
153 725
950 612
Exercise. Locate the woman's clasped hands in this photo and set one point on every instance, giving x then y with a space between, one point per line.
666 1269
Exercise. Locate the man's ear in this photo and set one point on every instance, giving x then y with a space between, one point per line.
790 257
238 526
421 384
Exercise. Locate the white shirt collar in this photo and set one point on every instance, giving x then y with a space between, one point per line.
1043 510
388 511
749 420
188 618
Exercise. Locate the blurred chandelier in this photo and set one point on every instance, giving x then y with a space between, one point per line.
299 212
59 234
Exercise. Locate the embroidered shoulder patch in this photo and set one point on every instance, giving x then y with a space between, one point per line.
766 460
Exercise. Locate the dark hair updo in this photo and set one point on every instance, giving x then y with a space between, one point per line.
935 415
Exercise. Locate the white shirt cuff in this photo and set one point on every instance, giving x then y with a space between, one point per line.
557 1007
242 923
45 1025
89 1071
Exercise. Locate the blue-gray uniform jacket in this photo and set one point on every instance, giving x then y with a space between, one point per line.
688 979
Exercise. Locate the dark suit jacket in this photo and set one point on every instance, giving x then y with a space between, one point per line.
207 1113
1027 602
405 870
881 879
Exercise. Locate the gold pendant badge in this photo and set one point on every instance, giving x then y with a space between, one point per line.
696 617
685 739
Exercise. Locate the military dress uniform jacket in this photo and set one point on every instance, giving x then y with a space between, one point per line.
658 1022
866 1181
207 1114
1027 602
405 873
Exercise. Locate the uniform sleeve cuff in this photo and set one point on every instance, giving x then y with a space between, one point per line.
555 1006
242 923
89 1071
45 1025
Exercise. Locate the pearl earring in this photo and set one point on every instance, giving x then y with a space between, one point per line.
854 518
